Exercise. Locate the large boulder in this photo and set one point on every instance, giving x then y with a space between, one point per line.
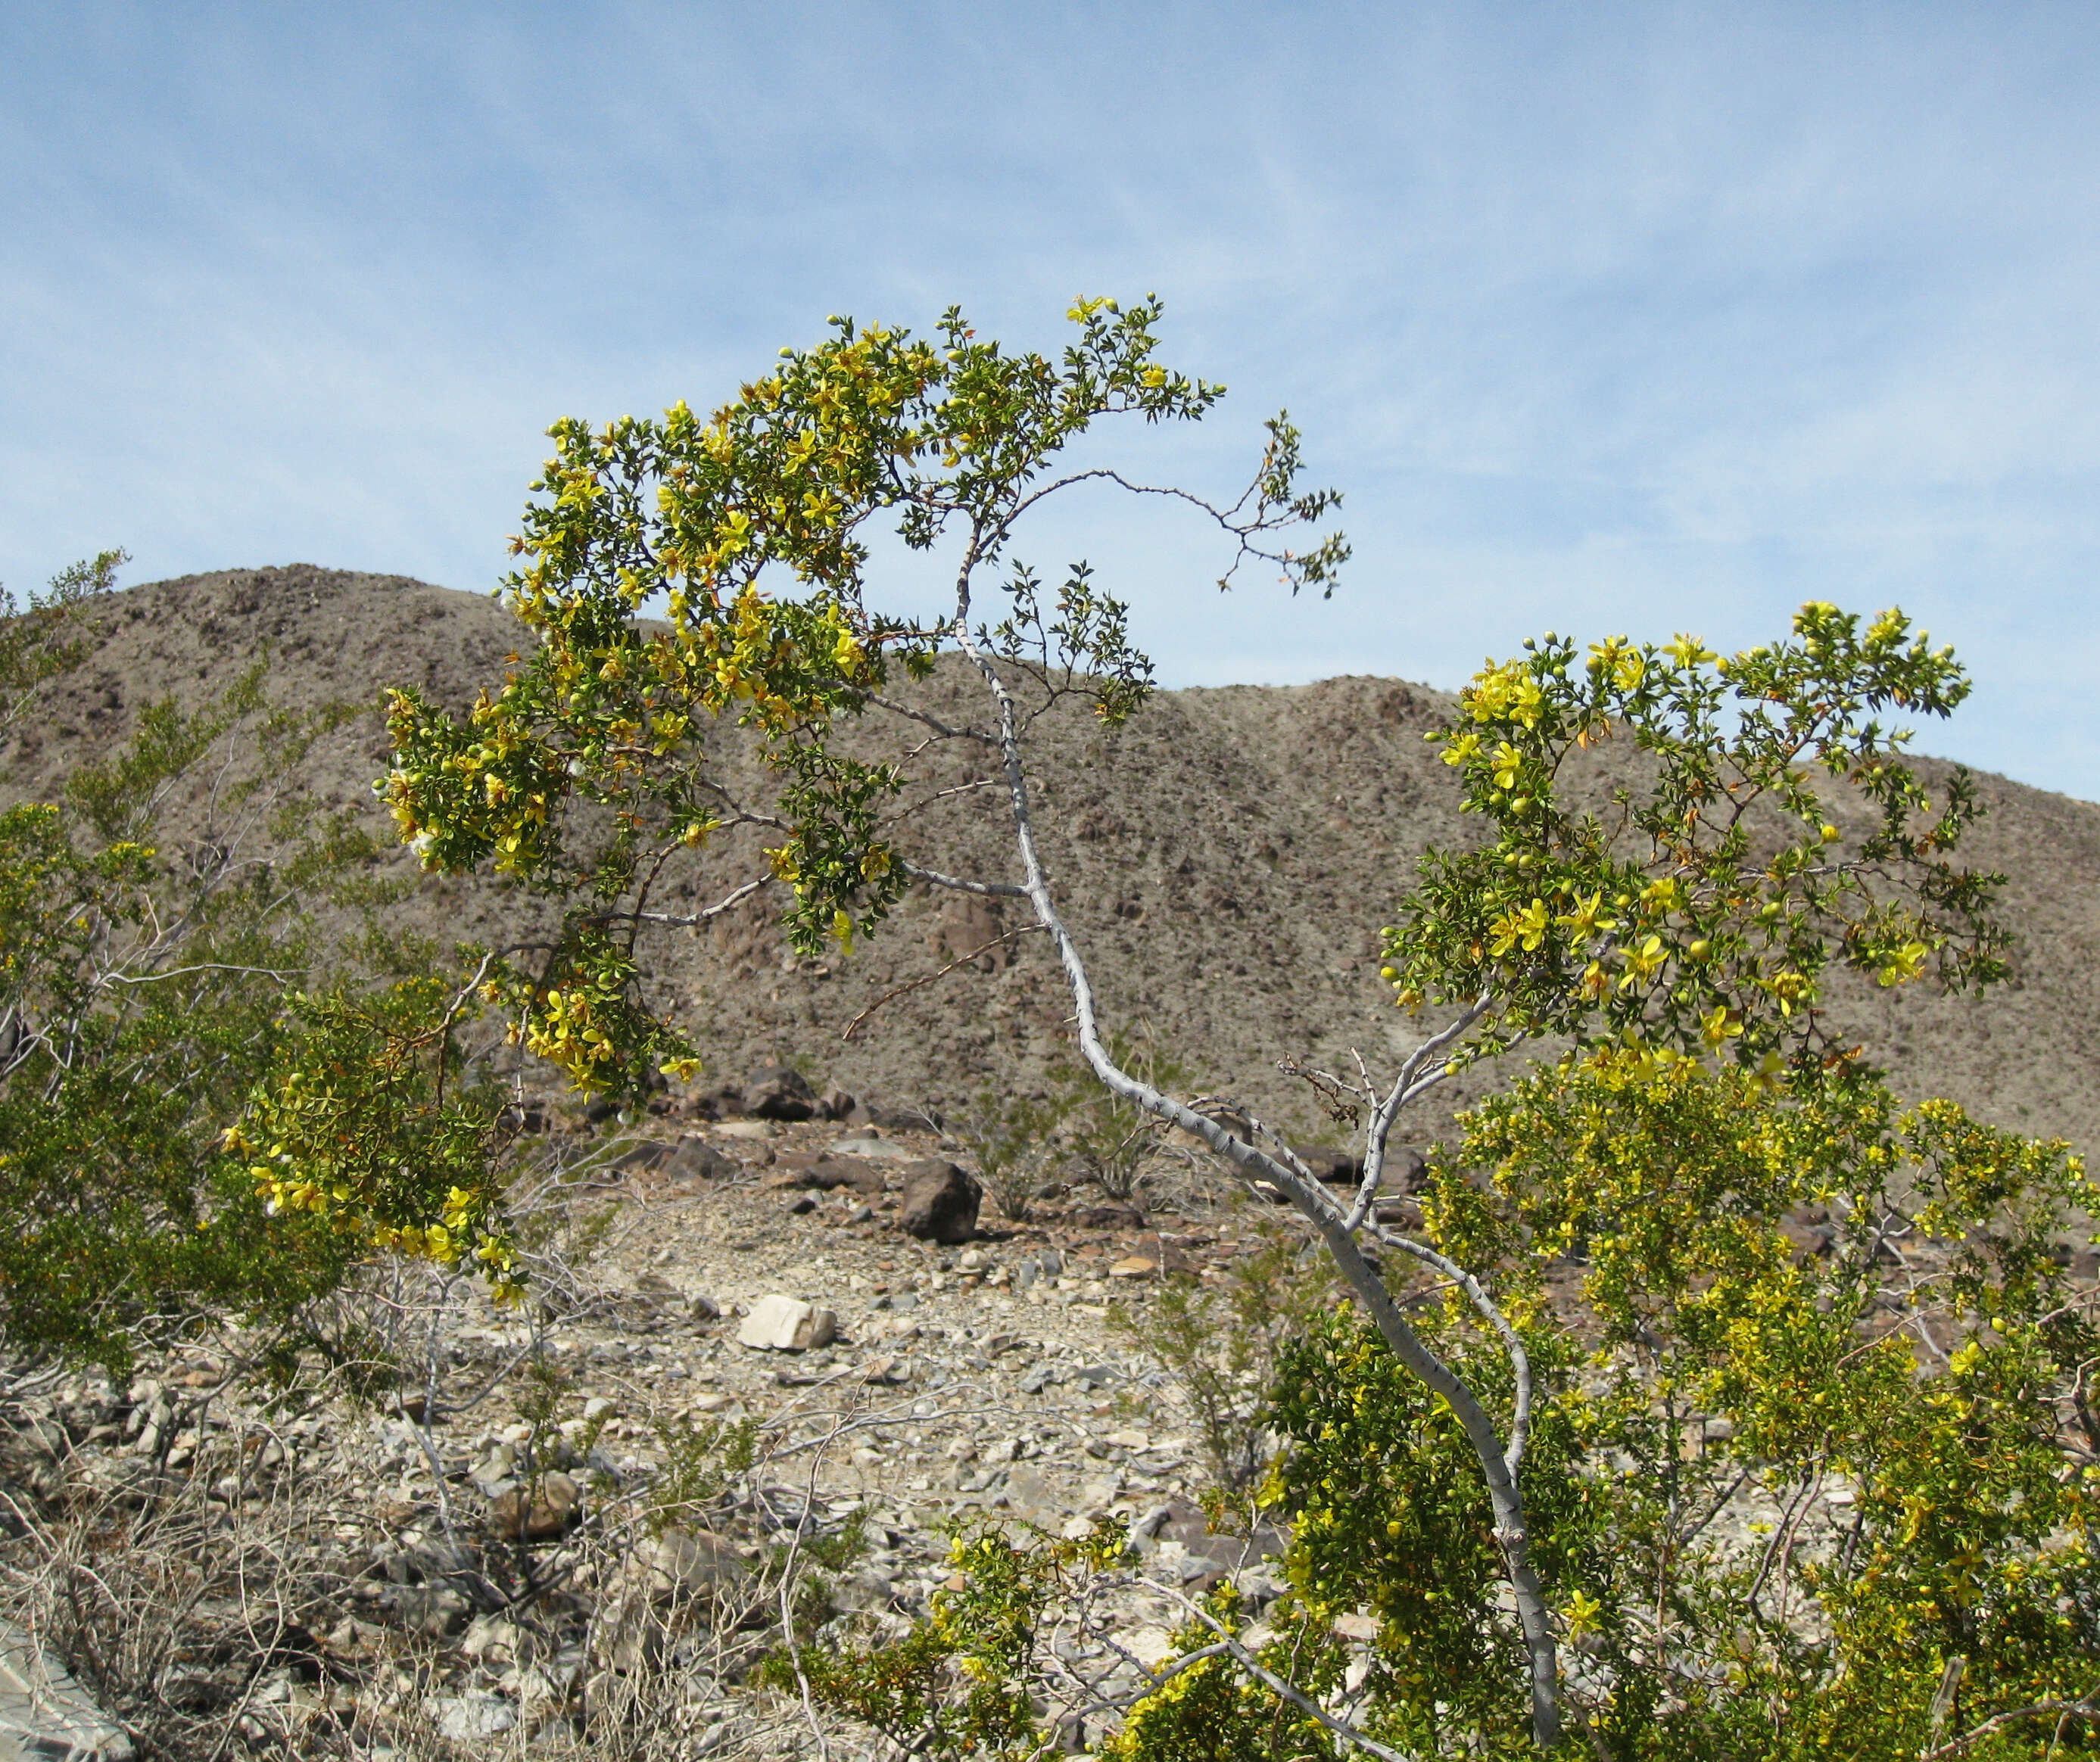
779 1092
940 1201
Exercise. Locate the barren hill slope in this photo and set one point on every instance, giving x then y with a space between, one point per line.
1227 859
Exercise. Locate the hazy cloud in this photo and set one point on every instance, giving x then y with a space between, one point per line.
1641 318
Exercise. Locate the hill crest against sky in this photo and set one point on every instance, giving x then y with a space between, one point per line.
1227 861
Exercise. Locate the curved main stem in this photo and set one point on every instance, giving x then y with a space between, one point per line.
1497 1465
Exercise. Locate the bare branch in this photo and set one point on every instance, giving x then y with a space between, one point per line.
736 896
988 889
1503 1491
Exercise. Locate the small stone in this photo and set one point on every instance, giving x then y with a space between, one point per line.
824 1172
1134 1267
435 1611
697 1563
866 1589
597 1408
874 1150
781 1323
696 1160
1131 1439
1150 1646
1360 1628
492 1639
649 1154
552 1506
464 1718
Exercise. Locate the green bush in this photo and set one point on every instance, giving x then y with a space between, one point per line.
207 1106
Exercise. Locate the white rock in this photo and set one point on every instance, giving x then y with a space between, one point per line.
874 1149
597 1408
468 1716
44 1712
779 1323
1150 1646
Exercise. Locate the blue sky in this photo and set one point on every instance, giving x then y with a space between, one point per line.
1625 318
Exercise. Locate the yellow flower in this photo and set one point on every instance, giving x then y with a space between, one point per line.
1581 1615
1900 966
1588 918
1643 963
1507 761
1616 659
1719 1023
1462 749
1788 989
1689 651
1526 926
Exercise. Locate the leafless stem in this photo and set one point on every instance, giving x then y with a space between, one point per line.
1504 1489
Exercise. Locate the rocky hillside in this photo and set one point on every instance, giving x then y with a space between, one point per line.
1228 860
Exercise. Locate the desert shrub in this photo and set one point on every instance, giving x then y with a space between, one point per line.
174 1024
1674 918
1011 1138
1110 1138
1223 1341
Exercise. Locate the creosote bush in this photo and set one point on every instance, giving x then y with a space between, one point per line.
1723 1406
1490 1446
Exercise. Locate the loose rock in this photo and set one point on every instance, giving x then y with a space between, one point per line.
780 1323
779 1092
44 1712
940 1202
824 1171
697 1563
539 1513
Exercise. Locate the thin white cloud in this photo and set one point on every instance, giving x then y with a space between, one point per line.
1642 319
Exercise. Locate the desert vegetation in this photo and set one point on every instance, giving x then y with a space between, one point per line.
1689 1393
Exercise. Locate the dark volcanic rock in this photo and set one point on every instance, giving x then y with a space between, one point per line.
940 1202
779 1092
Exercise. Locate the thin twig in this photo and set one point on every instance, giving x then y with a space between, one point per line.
853 1027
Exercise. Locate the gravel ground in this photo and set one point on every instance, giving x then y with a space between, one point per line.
965 1384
